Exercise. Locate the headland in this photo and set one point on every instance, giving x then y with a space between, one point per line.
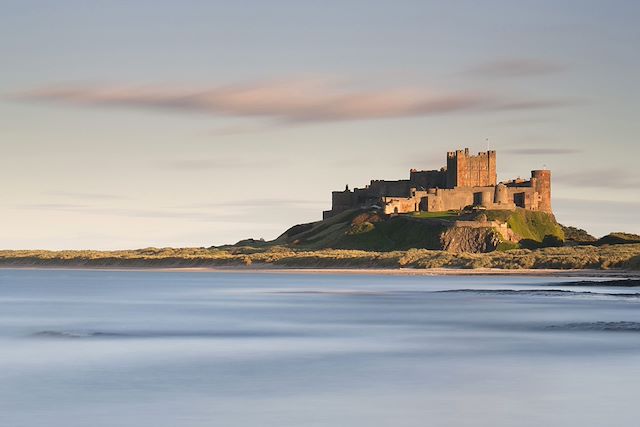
452 220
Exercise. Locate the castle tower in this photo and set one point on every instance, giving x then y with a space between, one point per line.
541 180
501 196
464 170
486 199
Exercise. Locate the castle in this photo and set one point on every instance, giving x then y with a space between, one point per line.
467 180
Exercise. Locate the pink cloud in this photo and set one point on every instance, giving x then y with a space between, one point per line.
295 101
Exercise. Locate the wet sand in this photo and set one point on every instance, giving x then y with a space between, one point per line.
270 269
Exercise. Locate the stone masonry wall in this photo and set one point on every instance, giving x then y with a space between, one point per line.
464 170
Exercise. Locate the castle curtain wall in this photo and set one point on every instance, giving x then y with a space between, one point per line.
381 188
428 179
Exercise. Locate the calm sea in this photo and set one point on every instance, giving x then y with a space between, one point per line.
141 348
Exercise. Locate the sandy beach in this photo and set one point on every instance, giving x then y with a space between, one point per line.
269 269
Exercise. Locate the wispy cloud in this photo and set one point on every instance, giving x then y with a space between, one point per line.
515 67
536 104
291 101
218 211
136 212
600 178
197 165
263 203
84 196
53 206
630 206
244 129
546 151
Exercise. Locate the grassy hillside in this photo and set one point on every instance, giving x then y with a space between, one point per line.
618 239
374 232
365 231
535 228
578 236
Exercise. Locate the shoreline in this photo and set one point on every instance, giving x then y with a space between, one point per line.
607 260
267 269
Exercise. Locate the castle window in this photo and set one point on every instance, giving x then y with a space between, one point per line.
518 199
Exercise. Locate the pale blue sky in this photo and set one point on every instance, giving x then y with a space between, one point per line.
156 123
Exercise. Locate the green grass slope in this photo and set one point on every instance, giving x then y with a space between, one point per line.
535 228
366 231
363 230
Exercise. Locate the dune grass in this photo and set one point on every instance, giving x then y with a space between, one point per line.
625 256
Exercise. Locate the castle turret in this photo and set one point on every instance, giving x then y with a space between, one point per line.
541 182
501 196
486 198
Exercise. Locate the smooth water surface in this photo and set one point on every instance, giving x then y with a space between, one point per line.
142 348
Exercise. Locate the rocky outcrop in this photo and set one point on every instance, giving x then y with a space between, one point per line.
470 239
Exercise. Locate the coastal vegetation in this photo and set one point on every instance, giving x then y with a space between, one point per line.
369 239
623 256
618 239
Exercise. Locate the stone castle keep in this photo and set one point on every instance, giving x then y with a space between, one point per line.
467 180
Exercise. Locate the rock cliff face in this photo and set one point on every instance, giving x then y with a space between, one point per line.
470 239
